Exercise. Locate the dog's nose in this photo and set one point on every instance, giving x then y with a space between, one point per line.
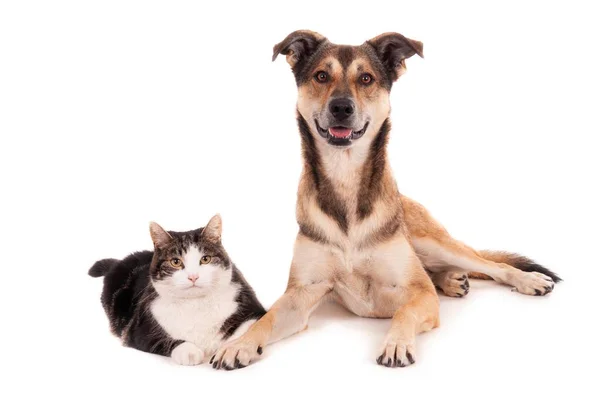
193 278
341 108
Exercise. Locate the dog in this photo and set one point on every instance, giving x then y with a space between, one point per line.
361 242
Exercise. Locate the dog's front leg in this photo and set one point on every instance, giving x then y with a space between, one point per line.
419 313
288 315
310 280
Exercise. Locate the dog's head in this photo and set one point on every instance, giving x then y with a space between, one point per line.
343 91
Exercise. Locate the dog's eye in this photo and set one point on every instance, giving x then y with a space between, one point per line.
321 76
366 79
176 263
205 259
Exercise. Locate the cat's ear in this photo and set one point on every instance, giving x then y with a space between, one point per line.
160 237
392 49
212 230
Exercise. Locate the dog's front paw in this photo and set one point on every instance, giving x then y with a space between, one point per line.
187 354
236 354
397 353
533 283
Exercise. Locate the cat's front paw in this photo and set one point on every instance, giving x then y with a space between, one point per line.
237 354
187 354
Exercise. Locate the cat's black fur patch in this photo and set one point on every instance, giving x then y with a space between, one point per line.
248 306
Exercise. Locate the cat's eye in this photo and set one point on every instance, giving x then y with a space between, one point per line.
205 259
176 263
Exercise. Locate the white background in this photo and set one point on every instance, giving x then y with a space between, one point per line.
116 113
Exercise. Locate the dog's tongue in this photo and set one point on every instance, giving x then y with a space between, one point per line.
340 132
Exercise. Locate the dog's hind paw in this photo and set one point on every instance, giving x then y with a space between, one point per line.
532 283
452 283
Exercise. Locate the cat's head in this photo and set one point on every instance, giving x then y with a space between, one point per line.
189 264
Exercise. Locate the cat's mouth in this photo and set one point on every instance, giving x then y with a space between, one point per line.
194 287
193 291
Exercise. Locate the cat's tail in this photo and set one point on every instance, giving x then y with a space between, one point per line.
100 268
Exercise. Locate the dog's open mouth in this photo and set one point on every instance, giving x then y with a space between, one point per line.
340 135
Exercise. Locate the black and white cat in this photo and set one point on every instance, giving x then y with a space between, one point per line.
183 300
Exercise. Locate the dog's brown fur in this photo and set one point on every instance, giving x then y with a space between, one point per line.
360 241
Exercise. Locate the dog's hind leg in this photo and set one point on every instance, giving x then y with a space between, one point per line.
439 252
458 255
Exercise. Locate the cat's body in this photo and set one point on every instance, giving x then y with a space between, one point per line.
155 307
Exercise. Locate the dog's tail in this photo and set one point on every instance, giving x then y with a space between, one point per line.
515 260
100 268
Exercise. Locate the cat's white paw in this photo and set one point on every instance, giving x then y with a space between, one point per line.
187 354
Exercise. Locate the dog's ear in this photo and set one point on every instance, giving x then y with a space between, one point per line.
392 49
298 46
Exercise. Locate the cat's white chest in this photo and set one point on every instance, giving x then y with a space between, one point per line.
196 320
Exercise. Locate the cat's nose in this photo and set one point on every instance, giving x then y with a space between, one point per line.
193 278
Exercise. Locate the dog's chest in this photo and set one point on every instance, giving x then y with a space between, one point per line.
196 320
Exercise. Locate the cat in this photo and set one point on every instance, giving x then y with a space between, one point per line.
182 300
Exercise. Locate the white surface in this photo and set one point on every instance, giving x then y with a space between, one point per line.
116 113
